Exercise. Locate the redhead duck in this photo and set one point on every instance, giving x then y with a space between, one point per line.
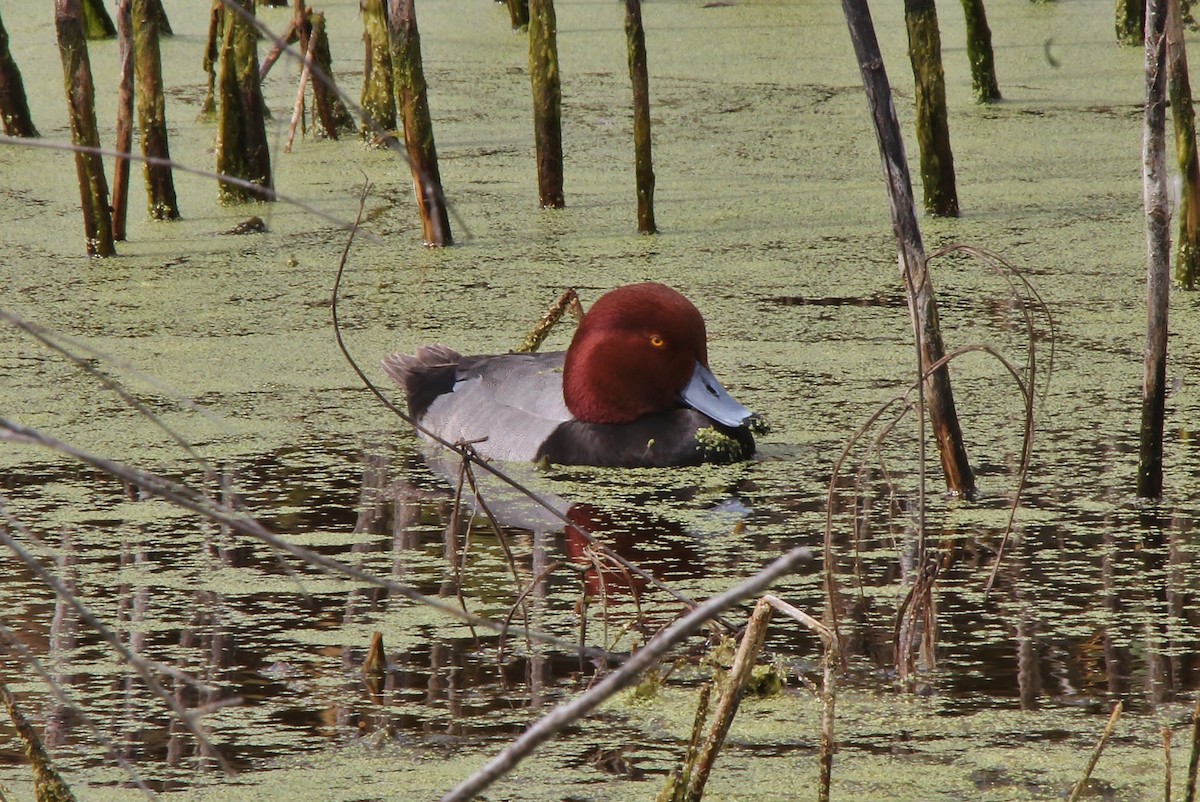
633 389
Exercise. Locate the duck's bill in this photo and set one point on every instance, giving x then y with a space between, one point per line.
705 394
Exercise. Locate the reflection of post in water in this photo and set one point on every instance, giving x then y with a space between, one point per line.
132 604
874 516
1020 604
1161 602
64 638
1117 668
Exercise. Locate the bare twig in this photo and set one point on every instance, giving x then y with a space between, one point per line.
1078 789
1189 794
680 777
183 168
828 693
739 675
47 782
1166 736
567 301
298 111
564 715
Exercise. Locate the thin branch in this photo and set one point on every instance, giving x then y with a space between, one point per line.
566 714
1079 787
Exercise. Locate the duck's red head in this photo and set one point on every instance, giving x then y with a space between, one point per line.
633 353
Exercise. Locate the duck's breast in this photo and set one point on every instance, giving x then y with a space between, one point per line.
513 400
663 439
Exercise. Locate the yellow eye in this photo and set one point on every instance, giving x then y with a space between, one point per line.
657 341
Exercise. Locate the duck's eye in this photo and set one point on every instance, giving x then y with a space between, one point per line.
657 341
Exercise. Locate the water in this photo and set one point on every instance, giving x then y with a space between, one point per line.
775 224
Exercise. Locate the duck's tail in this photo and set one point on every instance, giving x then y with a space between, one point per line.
425 375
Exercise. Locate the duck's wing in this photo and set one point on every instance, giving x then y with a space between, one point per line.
507 405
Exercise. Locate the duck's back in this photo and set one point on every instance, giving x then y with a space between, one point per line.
513 400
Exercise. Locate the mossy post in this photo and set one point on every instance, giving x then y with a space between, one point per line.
242 150
124 135
378 100
152 113
81 107
48 784
330 111
939 397
1158 254
1131 22
979 52
14 105
933 128
518 13
1179 90
96 22
160 14
547 102
408 79
643 164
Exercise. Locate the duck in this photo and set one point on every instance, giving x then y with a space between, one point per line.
633 389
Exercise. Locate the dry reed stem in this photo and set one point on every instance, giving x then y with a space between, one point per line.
680 777
1194 757
624 676
828 694
1078 789
298 109
727 707
1166 736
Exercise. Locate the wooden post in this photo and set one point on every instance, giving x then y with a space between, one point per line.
152 112
1158 253
96 22
77 79
979 52
408 78
518 12
160 14
922 304
124 138
14 106
547 102
1179 90
332 114
1131 22
377 100
212 54
242 150
933 129
639 76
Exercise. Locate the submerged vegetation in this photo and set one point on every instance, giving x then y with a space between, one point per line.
274 580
